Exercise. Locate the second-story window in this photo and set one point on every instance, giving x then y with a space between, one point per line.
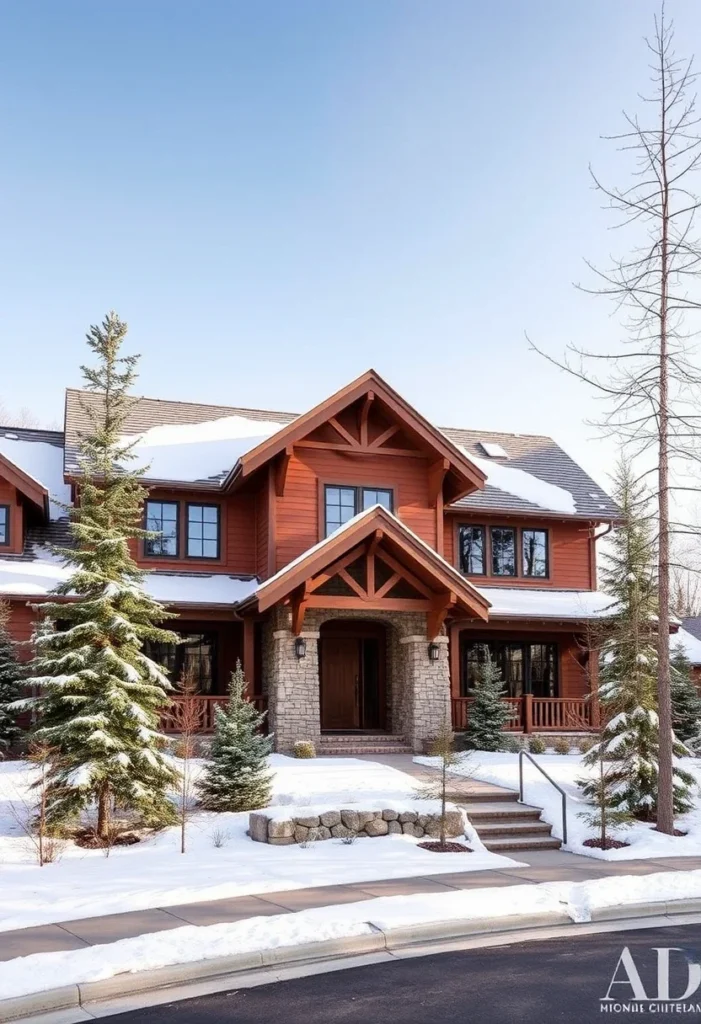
4 525
472 550
503 543
162 519
342 503
202 531
535 552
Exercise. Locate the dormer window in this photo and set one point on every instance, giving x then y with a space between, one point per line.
342 503
5 525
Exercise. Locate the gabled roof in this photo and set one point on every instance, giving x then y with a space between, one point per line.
568 489
32 461
466 476
390 533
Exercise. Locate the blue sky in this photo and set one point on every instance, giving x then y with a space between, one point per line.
277 195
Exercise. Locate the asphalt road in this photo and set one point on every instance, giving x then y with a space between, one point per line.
527 983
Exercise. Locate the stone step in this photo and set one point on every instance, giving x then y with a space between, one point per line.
500 811
378 739
495 829
533 841
348 750
484 796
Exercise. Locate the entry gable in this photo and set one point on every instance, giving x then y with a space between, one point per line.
368 417
374 563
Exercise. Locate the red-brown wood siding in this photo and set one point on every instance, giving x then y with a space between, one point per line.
20 626
10 496
570 552
299 515
262 526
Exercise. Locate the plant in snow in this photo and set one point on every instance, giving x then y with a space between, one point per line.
100 696
237 777
10 682
629 742
488 713
187 718
443 748
600 789
686 702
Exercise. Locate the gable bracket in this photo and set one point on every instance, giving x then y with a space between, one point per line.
436 476
438 609
363 418
281 470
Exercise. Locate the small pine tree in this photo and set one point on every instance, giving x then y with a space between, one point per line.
686 702
628 642
443 748
100 696
237 777
599 789
488 712
10 682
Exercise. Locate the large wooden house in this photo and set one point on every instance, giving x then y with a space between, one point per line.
356 558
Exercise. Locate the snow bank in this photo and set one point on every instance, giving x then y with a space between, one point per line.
154 873
502 770
198 451
43 463
189 944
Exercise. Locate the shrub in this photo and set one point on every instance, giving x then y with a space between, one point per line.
511 744
537 745
585 743
562 745
304 748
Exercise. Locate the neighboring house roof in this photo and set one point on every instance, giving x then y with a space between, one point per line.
568 489
688 637
537 477
32 461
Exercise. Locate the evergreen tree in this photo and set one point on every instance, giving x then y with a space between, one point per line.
100 695
488 712
237 777
629 741
10 682
599 789
686 702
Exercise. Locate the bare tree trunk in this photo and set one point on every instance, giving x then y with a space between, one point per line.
104 807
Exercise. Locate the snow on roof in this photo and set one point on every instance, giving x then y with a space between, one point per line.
525 485
199 451
43 462
493 450
546 604
690 644
39 577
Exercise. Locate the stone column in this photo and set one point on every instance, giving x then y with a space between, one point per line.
293 686
426 698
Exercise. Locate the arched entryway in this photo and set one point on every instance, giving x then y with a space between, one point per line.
352 675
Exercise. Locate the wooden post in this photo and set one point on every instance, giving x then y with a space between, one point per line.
454 659
249 655
528 712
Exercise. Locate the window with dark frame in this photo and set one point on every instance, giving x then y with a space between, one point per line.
534 544
472 561
202 531
162 519
195 658
503 550
525 667
4 525
342 503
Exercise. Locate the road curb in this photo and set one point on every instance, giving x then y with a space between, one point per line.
240 965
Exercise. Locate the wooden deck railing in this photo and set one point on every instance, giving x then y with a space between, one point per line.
538 714
207 709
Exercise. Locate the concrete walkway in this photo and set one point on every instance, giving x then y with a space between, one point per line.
540 866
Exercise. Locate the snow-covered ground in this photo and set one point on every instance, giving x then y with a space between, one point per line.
153 873
43 971
565 769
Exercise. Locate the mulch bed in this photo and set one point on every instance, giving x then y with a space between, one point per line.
448 848
610 844
89 841
677 832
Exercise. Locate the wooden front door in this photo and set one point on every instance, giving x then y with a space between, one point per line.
340 682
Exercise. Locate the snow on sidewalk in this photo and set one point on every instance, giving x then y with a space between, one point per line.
189 944
153 873
501 769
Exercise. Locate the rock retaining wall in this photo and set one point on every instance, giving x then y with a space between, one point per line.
349 822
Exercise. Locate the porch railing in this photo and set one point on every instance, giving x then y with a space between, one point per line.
538 714
208 704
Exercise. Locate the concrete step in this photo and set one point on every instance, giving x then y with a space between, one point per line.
496 829
484 796
501 811
533 841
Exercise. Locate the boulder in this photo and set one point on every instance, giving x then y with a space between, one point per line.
377 827
301 834
341 832
311 822
390 815
258 827
280 829
351 819
408 816
394 827
364 817
281 840
453 824
330 818
322 832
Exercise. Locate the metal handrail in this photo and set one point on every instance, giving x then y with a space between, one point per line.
521 755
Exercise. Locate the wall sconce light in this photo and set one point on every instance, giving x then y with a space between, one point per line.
300 647
433 652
